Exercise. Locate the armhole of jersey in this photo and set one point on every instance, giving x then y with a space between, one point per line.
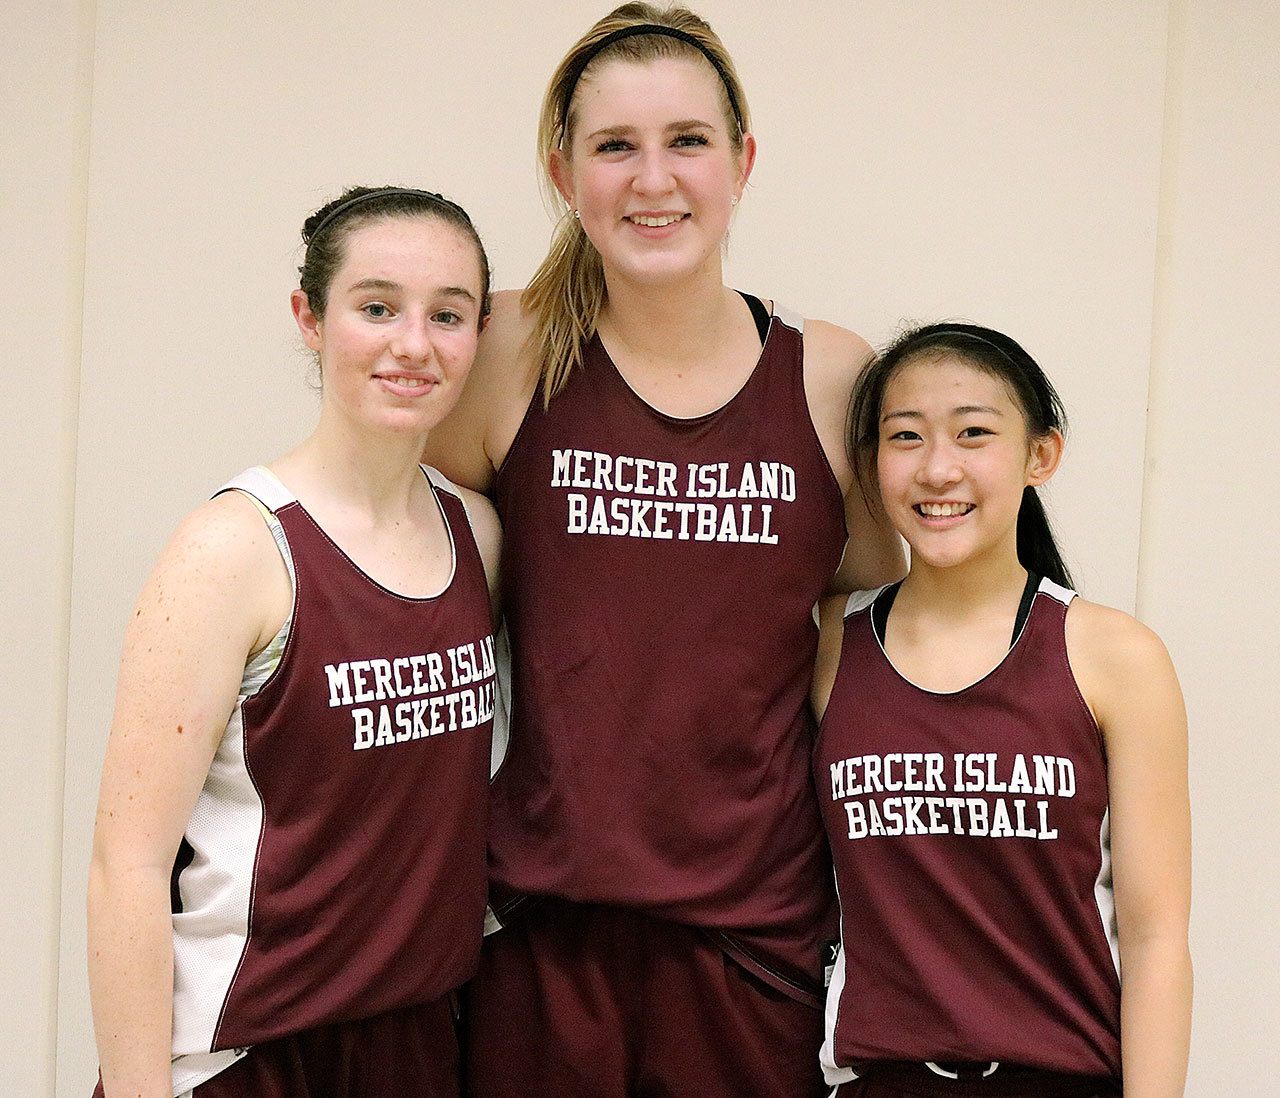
264 490
501 651
857 601
439 480
860 600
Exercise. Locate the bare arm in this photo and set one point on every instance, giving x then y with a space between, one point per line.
874 553
1129 681
207 605
470 443
830 639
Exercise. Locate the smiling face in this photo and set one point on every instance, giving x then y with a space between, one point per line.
651 167
952 460
400 325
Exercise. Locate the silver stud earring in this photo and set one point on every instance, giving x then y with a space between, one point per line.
577 216
733 200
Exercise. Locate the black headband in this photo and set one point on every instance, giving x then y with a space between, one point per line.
384 192
579 66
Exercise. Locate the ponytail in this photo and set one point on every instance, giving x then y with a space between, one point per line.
1038 552
565 296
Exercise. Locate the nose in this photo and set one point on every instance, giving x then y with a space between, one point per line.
939 466
412 339
653 173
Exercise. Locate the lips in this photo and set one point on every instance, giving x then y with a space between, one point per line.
408 384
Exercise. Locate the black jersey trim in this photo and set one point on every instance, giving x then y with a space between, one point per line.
884 603
759 314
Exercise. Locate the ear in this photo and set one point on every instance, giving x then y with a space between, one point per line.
746 161
561 176
1043 459
307 322
484 321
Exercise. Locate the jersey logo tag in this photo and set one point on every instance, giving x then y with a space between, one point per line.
830 952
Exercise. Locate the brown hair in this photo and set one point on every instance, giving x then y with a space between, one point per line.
325 233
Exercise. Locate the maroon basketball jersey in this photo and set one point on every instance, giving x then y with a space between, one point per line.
660 575
971 843
334 865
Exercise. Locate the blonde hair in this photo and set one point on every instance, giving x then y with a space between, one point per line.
567 292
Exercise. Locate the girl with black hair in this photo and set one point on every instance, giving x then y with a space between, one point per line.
1001 767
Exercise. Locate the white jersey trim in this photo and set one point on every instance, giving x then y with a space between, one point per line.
261 482
860 600
1104 894
1063 595
789 317
832 1072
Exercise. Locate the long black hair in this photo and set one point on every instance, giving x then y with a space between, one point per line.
1004 359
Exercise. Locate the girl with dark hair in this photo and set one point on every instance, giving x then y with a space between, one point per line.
288 876
668 460
1001 767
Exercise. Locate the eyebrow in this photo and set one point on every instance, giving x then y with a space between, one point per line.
388 285
963 410
623 131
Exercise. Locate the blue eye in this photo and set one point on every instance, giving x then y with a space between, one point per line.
447 316
692 140
614 144
376 310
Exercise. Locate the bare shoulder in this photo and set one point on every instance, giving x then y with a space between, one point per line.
487 530
1105 636
833 358
1119 663
224 538
484 519
219 580
835 354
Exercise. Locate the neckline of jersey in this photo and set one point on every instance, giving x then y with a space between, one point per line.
444 516
1040 590
701 417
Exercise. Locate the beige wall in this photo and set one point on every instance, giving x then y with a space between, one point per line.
1209 532
1091 177
44 89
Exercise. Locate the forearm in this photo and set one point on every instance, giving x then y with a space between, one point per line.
1155 1016
131 979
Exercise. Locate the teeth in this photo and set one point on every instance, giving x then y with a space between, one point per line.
656 222
411 382
944 510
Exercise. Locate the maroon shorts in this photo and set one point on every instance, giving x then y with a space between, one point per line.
412 1051
583 1001
894 1080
